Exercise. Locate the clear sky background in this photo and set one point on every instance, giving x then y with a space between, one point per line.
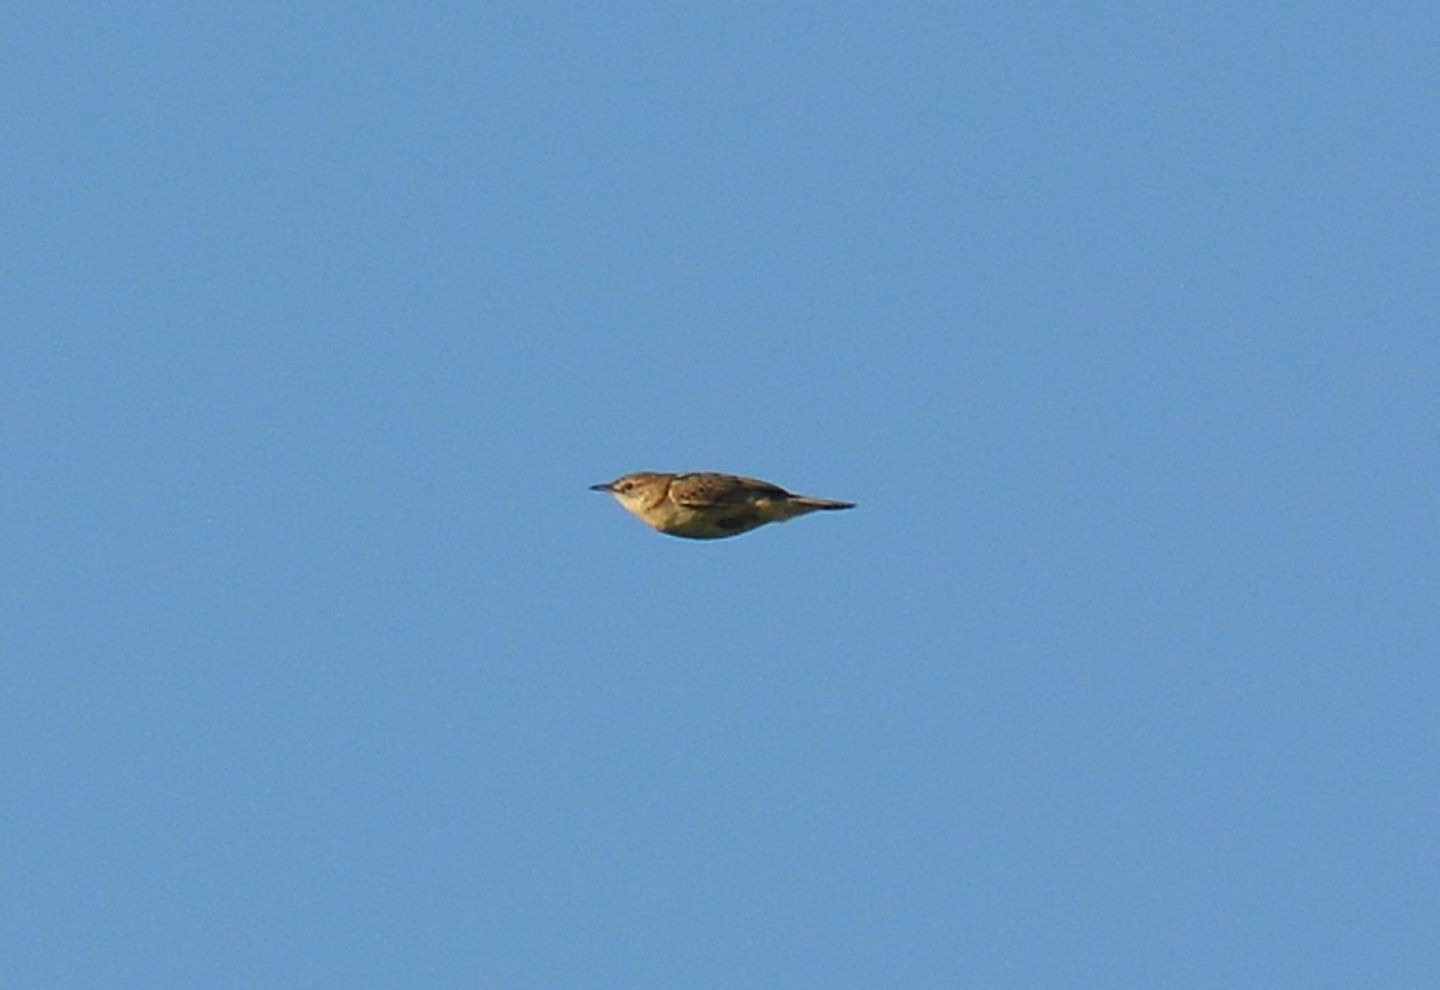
321 667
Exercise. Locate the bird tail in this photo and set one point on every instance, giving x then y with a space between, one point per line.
827 504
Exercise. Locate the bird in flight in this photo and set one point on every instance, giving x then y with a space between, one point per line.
706 505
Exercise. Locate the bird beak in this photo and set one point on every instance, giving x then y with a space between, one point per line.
600 488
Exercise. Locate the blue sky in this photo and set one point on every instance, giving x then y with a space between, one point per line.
322 667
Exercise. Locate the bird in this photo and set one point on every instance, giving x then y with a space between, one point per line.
708 505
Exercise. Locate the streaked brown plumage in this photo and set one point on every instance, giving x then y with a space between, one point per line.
707 505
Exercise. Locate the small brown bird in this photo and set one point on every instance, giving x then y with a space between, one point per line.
705 505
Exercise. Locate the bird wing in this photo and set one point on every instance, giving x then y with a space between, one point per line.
709 488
